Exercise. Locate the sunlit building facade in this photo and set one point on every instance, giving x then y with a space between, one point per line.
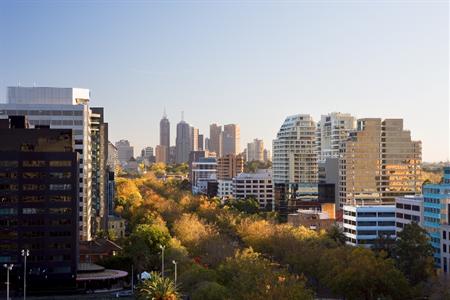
378 163
295 168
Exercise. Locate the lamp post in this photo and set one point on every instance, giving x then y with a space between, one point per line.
25 254
175 264
8 268
162 259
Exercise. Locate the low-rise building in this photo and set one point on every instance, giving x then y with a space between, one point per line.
364 224
225 189
445 248
314 220
408 209
256 185
116 226
202 171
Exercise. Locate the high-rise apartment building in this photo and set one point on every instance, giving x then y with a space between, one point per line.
228 166
255 150
124 151
215 139
183 142
113 158
332 130
39 203
164 135
99 139
160 154
295 164
61 108
379 162
266 156
231 139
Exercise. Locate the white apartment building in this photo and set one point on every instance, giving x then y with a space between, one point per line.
408 209
364 224
295 168
332 129
60 108
257 185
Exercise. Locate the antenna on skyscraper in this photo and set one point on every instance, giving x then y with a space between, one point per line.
182 115
164 113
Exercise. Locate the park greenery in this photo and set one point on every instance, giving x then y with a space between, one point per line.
235 251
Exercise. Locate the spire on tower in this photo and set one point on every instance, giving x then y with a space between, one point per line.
182 115
164 113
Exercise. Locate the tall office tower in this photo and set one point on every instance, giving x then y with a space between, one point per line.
215 139
295 164
160 153
266 155
201 142
61 108
99 138
183 142
228 166
255 150
39 203
332 130
231 139
379 162
124 151
147 152
164 135
194 138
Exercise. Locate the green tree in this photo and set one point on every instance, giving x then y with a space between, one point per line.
248 205
208 290
157 288
413 253
336 234
143 245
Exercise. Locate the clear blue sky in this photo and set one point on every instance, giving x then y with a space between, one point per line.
250 62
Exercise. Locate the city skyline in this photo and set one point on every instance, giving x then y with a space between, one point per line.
271 61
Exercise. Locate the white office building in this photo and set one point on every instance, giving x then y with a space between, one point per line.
255 185
224 188
408 209
124 151
364 224
60 108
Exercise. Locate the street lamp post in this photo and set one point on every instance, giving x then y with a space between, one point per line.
175 264
25 254
8 268
162 259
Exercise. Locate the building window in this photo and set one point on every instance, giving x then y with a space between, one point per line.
60 187
33 163
444 235
60 163
32 211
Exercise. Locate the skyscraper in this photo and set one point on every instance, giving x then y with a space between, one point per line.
164 134
61 108
183 142
332 130
255 150
194 138
215 139
231 139
378 163
201 141
295 164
